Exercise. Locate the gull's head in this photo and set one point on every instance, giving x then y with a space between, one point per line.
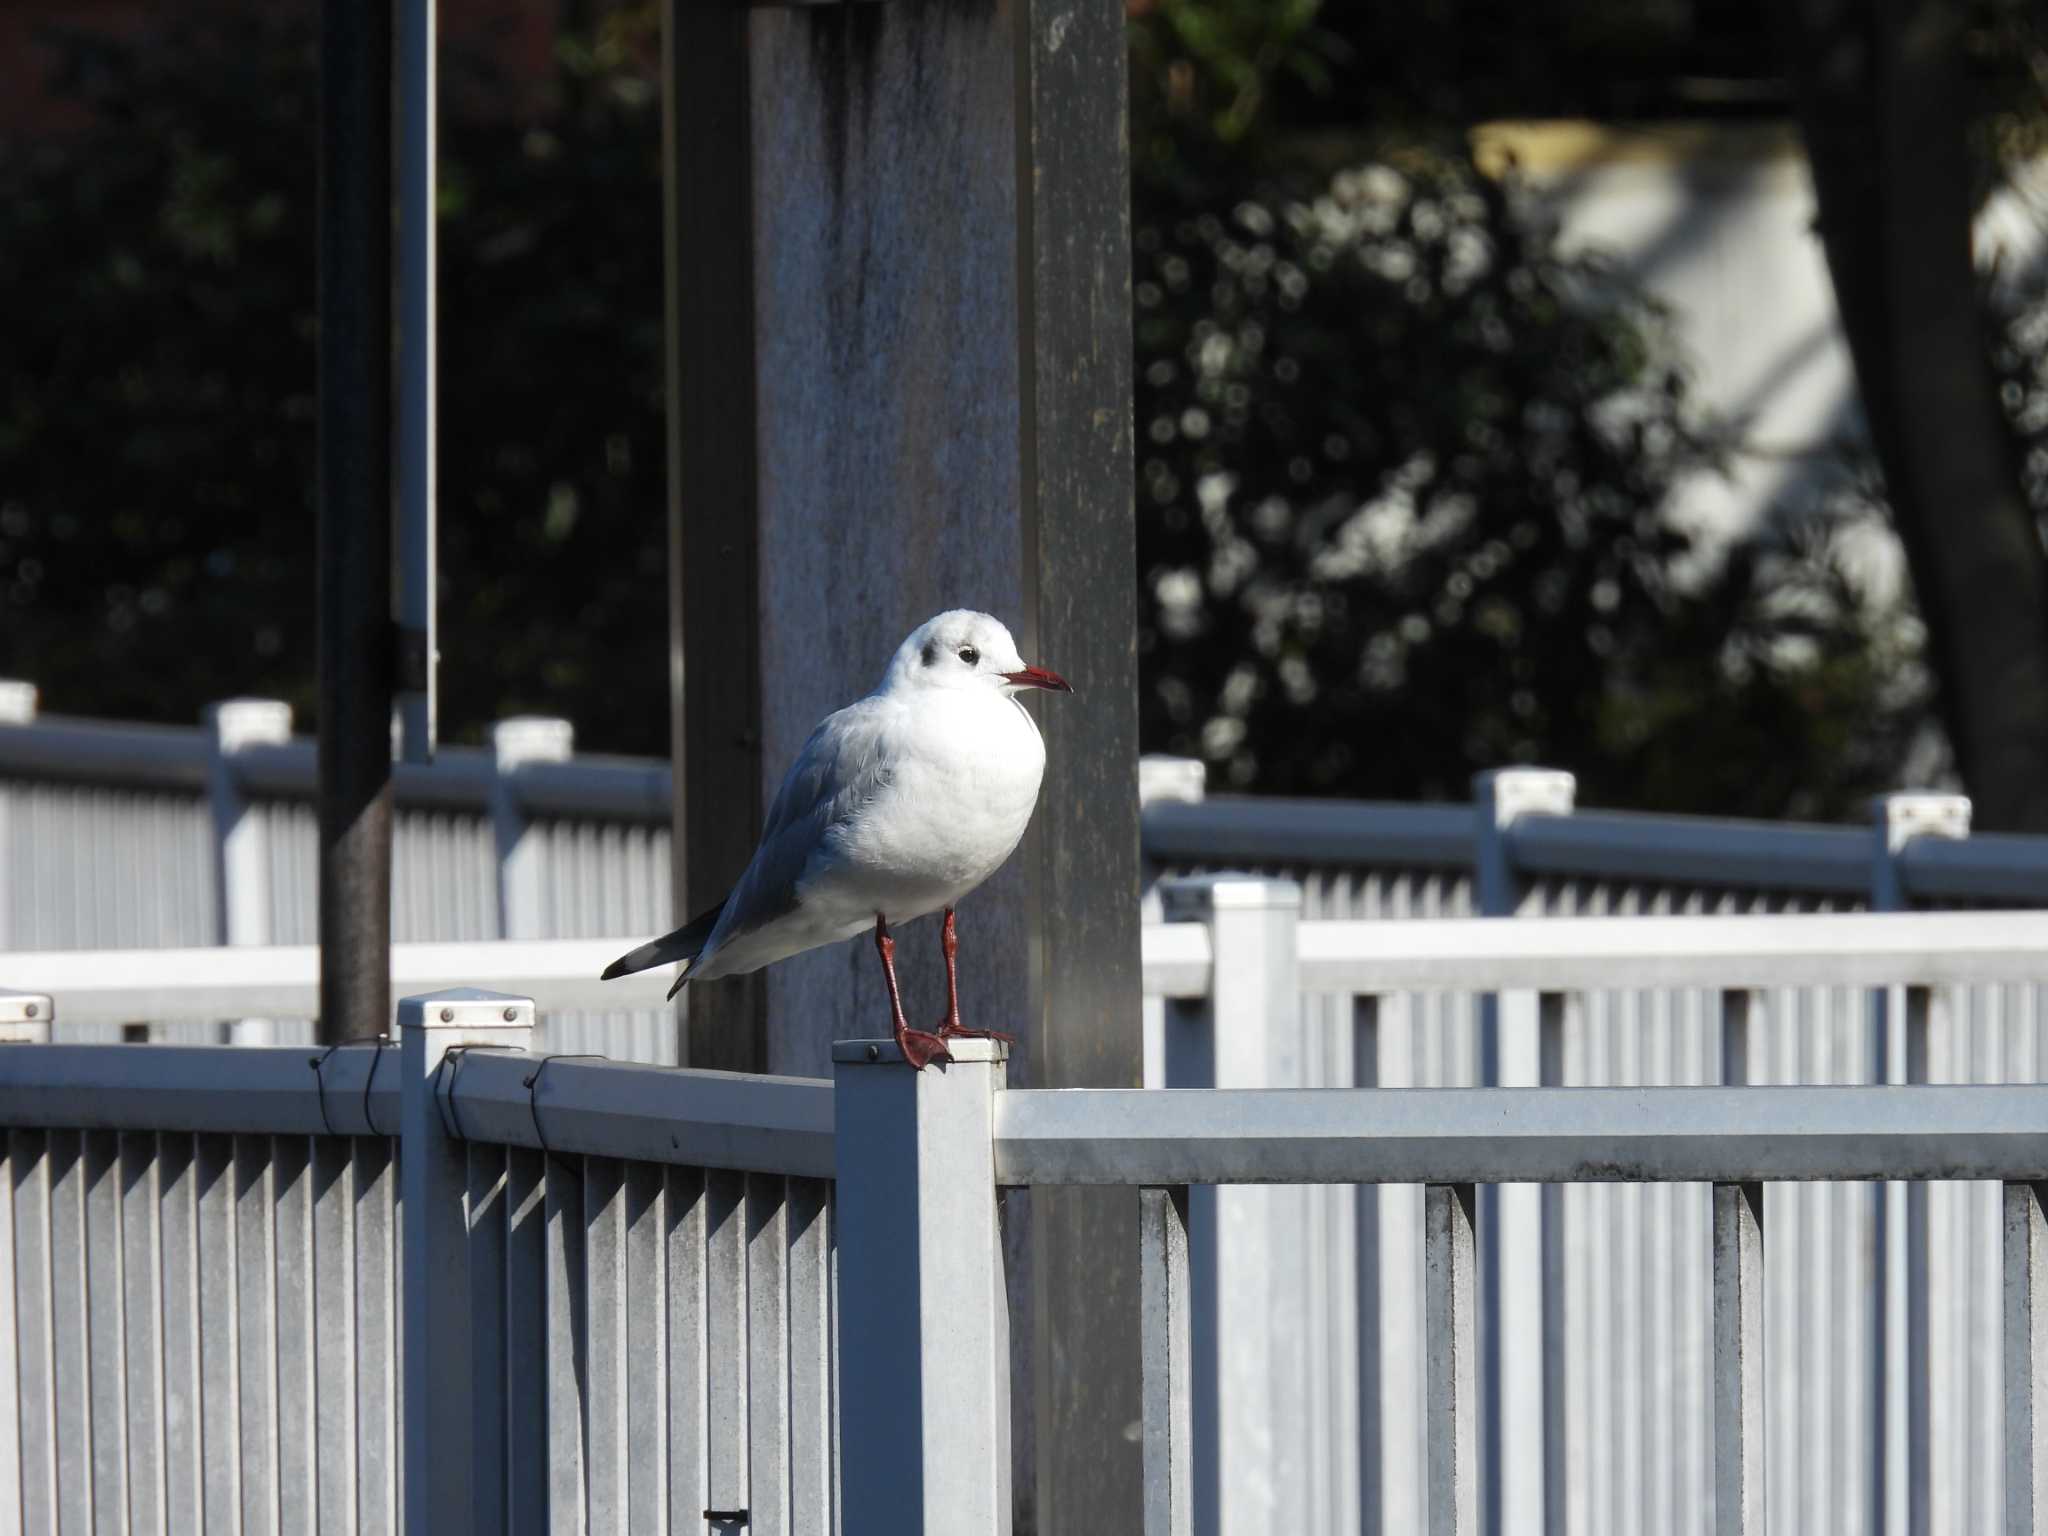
962 649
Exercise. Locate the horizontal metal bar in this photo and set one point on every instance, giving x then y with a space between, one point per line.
117 986
233 1089
761 1124
1589 953
147 756
1518 1135
620 788
1982 867
1224 830
1693 850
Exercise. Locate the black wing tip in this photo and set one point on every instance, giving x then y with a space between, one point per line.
616 969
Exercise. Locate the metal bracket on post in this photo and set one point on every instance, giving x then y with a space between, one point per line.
1899 1047
241 841
435 1285
25 1018
924 1335
1521 1037
522 885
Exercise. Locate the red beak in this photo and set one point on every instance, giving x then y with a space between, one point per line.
1038 677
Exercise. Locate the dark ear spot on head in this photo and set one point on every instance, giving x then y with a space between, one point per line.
931 652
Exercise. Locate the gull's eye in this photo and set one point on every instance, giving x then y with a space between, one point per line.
969 654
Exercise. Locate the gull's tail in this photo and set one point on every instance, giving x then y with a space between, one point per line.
684 945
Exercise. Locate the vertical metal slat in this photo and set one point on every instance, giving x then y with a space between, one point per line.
526 1342
1451 1359
564 1312
12 1382
604 1342
647 1353
254 1280
810 1355
488 1398
1739 1359
106 1333
725 1338
2026 1360
184 1448
29 1169
1168 1425
69 1332
767 1336
688 1469
220 1425
334 1334
376 1324
297 1425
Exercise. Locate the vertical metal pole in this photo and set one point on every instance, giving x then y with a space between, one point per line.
2026 1359
1451 1379
1900 1366
713 516
1514 1434
241 841
1164 1345
1370 1209
17 707
25 1018
1739 1359
354 569
924 1345
522 864
418 458
1247 1253
434 1282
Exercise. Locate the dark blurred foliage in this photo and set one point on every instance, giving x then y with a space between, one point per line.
1403 473
1401 463
157 386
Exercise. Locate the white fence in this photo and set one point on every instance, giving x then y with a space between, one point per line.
1314 1397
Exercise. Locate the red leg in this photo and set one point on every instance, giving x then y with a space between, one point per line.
920 1049
950 1027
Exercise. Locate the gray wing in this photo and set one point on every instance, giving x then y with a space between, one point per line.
838 771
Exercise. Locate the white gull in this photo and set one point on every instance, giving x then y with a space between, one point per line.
898 805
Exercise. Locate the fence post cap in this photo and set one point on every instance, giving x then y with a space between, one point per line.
22 1014
1191 898
1899 818
18 701
887 1053
1503 794
1179 780
464 1008
249 722
532 739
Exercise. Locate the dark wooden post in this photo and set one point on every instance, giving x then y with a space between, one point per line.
900 317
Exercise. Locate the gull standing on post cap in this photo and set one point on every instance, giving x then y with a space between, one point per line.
899 804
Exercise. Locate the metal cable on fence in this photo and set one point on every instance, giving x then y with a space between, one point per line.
319 1066
532 1086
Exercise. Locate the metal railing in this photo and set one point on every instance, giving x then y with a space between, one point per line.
558 1207
450 1284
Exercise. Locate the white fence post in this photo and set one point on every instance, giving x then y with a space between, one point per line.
1520 1040
434 1283
1247 1247
522 871
1899 1038
1179 781
25 1018
924 1336
17 707
241 841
